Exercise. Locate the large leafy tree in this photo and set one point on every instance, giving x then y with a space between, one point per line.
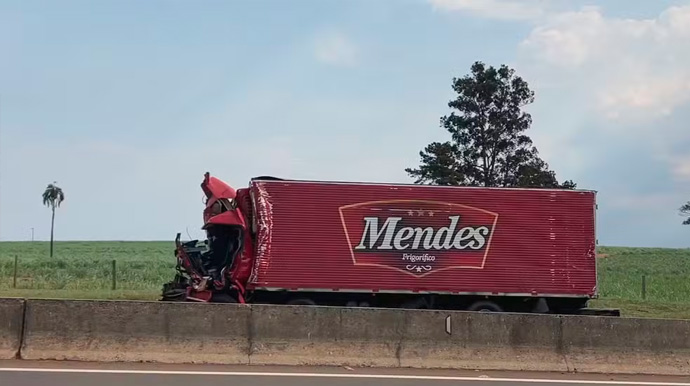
53 196
488 145
685 211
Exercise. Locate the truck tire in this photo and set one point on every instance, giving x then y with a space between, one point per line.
222 298
175 290
415 304
484 306
301 302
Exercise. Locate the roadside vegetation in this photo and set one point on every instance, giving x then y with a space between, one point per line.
645 282
83 270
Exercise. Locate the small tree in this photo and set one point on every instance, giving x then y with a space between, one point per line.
53 196
488 145
685 211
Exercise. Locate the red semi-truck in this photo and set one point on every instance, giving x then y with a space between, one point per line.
392 245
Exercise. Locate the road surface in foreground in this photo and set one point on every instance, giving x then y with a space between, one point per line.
33 373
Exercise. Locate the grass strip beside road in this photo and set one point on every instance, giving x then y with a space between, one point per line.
645 309
83 270
80 267
82 294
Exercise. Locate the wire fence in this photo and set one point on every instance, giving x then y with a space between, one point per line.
84 274
661 287
148 274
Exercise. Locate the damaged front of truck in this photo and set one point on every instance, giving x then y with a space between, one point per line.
215 269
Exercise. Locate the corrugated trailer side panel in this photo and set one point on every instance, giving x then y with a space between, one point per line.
424 238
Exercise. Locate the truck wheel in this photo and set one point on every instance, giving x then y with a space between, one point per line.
222 298
174 291
301 302
484 306
415 304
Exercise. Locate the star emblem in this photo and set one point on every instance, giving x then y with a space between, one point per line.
420 213
410 213
431 213
419 269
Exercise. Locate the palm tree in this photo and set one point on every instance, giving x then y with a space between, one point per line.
52 198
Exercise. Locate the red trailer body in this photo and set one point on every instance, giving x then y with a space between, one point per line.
325 236
392 245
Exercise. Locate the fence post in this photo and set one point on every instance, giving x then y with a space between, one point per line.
114 275
16 263
644 287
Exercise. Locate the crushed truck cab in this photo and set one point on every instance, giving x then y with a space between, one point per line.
213 269
391 245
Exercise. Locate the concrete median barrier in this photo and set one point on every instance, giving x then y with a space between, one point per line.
11 320
294 335
482 341
301 335
136 331
626 345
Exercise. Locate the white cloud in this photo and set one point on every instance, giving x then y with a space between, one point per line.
495 9
635 70
628 77
566 40
618 73
681 168
335 48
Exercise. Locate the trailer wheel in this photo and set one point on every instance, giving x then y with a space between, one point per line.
301 302
484 306
415 304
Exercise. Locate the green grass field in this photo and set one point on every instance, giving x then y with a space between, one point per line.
84 270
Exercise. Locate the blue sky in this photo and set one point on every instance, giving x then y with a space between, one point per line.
127 103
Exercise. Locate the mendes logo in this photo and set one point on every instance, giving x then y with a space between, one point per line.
418 237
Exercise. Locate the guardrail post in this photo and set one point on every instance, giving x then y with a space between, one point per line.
16 263
114 275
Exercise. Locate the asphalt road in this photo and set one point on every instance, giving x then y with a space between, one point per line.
23 373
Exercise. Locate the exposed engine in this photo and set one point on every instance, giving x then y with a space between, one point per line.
202 266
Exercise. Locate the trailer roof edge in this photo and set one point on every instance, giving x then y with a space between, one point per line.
272 180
